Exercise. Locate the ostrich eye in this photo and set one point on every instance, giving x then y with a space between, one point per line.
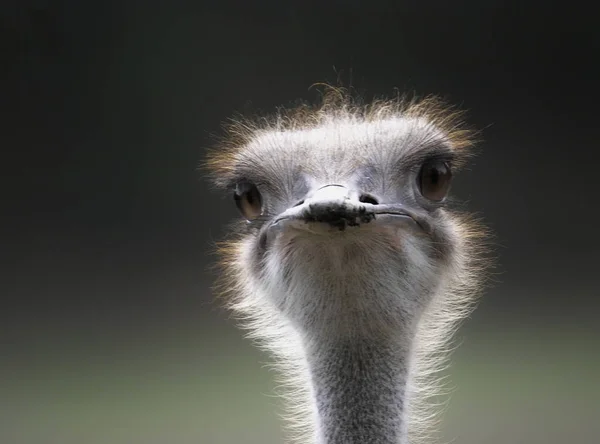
248 200
434 180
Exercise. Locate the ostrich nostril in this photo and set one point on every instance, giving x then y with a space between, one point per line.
367 198
300 202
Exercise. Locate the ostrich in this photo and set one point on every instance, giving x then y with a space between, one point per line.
347 264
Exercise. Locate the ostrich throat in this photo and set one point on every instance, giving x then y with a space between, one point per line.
359 375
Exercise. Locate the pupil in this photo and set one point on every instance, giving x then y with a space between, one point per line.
435 176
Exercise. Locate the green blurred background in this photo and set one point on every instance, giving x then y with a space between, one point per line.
203 384
109 332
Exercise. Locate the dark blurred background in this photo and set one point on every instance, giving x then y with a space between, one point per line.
109 332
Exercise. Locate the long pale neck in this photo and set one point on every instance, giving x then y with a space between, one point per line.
359 390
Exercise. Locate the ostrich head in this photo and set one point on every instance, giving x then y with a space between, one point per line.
348 264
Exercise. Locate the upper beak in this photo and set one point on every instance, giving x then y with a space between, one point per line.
332 204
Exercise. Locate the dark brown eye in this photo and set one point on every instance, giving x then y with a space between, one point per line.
434 180
248 200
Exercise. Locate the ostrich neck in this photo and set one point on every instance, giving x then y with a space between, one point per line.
359 390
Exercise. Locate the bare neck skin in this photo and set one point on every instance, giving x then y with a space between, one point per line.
359 391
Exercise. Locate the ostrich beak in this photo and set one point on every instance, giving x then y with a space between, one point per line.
334 205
